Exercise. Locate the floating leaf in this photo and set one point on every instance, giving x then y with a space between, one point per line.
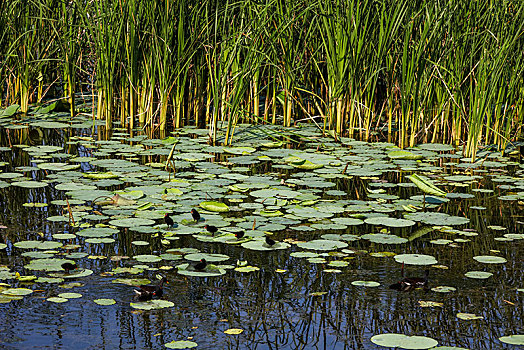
17 291
262 245
233 331
365 283
70 295
443 289
415 259
515 339
478 274
57 300
394 340
152 304
426 185
465 316
105 301
214 206
489 259
181 344
322 244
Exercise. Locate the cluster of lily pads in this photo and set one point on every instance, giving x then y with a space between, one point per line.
316 200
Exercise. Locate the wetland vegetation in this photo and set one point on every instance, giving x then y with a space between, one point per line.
261 174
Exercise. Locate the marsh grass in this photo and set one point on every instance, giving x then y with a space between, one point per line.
421 71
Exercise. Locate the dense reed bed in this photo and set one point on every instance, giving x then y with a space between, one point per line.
419 71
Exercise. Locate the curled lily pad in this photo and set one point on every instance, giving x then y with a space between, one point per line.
322 244
214 206
415 259
489 259
465 316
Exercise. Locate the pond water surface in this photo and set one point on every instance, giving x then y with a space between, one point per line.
297 297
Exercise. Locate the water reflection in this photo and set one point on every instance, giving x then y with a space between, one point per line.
276 310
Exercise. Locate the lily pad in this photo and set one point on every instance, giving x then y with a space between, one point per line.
478 274
415 259
515 339
365 283
181 344
152 304
188 270
489 259
105 301
214 206
394 340
322 244
262 245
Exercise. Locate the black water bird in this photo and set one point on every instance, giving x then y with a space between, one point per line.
211 229
239 235
168 220
201 265
195 214
408 284
68 266
270 242
142 295
155 290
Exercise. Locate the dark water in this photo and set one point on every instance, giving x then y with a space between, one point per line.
275 310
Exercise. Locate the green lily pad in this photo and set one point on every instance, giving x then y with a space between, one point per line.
214 206
489 259
70 295
465 316
443 289
147 258
322 244
42 245
181 344
209 271
208 257
152 304
51 264
262 245
57 300
97 232
17 291
365 283
29 184
515 339
132 222
383 238
389 222
415 259
478 274
394 340
105 301
245 269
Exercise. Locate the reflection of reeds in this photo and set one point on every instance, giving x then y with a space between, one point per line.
449 72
